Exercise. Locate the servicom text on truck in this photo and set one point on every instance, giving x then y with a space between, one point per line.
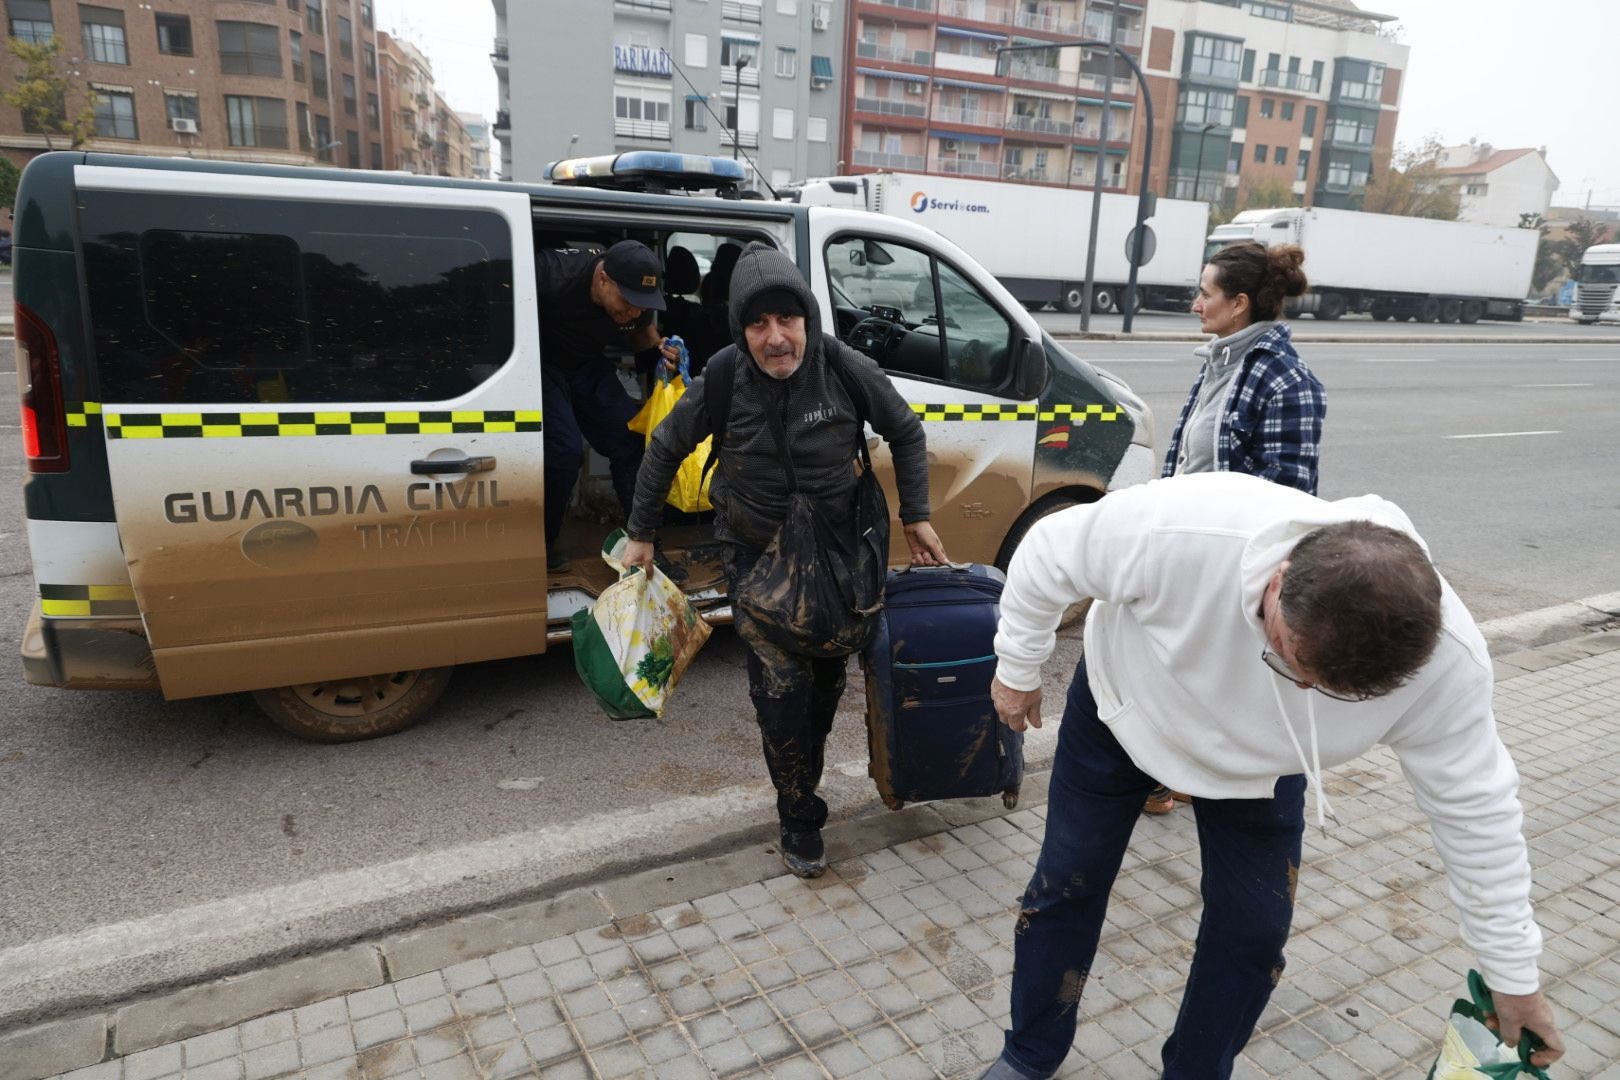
1396 267
1033 238
283 427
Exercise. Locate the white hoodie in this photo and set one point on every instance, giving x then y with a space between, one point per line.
1173 646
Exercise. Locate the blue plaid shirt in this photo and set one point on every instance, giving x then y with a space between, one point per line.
1271 420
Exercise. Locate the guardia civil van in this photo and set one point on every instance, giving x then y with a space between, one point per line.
284 433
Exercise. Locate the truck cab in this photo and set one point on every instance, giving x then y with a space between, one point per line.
1597 286
284 434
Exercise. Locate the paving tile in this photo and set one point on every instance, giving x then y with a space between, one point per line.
158 1061
321 1015
267 1030
223 1069
213 1046
327 1045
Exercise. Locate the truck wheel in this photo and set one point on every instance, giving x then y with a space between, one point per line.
1072 298
1119 302
1428 310
1103 298
347 710
1051 504
1330 306
1471 312
1380 314
1450 311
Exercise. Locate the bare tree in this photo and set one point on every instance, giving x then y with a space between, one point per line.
1409 185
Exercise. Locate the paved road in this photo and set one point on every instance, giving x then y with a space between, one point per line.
121 807
1153 322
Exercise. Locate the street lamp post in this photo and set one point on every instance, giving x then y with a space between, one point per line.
1143 197
736 104
1198 183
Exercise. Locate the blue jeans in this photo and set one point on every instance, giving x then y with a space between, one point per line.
586 404
1251 851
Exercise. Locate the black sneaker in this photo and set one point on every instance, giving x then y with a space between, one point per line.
803 852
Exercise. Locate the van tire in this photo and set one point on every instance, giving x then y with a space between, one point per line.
1051 504
348 710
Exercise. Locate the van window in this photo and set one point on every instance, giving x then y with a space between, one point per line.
196 301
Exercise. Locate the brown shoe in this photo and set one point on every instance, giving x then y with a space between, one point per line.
1160 800
1180 796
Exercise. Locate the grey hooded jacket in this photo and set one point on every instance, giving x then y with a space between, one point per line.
750 487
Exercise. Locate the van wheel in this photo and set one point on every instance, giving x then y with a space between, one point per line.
348 710
1050 505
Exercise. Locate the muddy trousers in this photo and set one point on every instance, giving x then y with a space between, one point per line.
1250 850
583 405
795 698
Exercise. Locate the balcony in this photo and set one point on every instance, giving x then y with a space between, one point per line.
750 76
1123 88
871 50
1041 125
1029 176
910 5
876 159
1048 24
641 129
503 121
966 167
1098 28
973 65
663 6
1208 188
1021 69
977 10
973 117
749 139
502 53
740 12
1290 80
424 139
891 107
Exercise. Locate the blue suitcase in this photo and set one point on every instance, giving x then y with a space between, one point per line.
931 729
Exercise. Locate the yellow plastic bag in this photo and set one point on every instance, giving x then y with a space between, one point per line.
690 489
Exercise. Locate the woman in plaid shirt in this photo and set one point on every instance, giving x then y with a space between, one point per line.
1255 407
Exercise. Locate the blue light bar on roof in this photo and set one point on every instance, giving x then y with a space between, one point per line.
646 163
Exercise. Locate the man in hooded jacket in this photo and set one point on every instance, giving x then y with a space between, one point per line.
1246 635
776 324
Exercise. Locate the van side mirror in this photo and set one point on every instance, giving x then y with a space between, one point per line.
857 257
1030 372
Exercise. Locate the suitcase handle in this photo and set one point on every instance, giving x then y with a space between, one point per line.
957 566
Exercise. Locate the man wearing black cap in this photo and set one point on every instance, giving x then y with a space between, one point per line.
589 303
823 390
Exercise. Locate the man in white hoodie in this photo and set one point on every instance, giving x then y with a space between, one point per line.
1246 635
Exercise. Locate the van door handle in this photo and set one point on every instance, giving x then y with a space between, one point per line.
429 466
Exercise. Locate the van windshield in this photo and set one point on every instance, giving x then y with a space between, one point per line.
1598 275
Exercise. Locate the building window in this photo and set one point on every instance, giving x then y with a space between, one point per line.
1260 150
733 50
323 137
31 20
1302 165
697 50
303 127
256 121
317 74
1198 107
815 129
1360 80
295 49
1268 108
345 39
787 7
181 105
174 34
376 152
371 61
1279 155
1310 120
697 115
1248 65
352 139
1240 117
787 62
315 18
821 73
1288 110
373 111
781 123
351 101
1234 158
639 113
1476 189
1216 58
103 35
115 112
292 5
249 49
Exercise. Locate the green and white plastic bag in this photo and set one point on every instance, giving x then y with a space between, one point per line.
1472 1051
633 644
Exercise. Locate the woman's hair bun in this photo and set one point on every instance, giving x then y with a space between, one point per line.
1285 268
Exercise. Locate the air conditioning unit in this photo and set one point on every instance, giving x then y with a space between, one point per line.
916 88
949 144
184 125
821 19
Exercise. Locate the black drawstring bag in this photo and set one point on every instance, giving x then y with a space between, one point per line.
817 589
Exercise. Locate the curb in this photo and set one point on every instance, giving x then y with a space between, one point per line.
1347 339
121 1028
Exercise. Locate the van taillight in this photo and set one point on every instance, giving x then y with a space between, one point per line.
39 380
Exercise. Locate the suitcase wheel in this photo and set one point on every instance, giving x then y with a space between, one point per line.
1009 799
894 803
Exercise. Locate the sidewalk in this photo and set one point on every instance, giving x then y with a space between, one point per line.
897 963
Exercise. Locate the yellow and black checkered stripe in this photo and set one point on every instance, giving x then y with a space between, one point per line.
67 601
241 425
83 413
974 412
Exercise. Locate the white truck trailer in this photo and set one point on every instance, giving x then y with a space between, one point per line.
1597 286
1033 238
1396 267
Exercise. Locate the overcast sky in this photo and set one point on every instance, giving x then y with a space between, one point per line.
1508 72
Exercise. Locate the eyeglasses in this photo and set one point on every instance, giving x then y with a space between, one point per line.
1280 666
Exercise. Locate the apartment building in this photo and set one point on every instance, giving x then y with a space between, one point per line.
926 93
248 80
1299 93
477 125
421 134
688 76
1497 187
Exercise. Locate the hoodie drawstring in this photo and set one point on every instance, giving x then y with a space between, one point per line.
1313 767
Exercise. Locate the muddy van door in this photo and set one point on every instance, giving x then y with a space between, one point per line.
321 404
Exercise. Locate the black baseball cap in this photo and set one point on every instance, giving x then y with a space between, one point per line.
634 269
